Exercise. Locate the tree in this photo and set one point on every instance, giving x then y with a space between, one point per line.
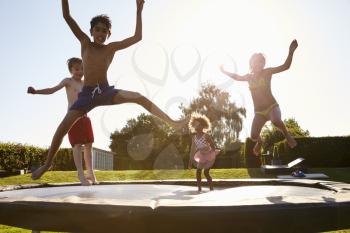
150 143
225 116
271 134
147 142
143 134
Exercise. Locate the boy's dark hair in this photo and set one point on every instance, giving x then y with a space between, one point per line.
101 19
72 61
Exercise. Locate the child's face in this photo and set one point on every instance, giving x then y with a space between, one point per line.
198 127
77 70
257 63
100 33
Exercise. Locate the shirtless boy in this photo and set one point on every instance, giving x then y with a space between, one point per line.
81 133
97 57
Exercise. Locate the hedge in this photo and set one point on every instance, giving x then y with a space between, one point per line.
251 160
15 156
18 156
318 152
226 159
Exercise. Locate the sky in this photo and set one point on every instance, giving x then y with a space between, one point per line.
184 42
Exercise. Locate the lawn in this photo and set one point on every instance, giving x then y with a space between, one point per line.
339 174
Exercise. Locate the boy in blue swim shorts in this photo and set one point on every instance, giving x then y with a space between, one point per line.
97 57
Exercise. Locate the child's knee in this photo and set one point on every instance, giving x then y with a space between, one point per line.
63 128
255 137
137 96
77 146
141 100
277 122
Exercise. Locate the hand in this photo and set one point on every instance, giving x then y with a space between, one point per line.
31 90
140 5
293 46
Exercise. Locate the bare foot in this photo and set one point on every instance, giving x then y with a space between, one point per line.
199 189
83 180
92 179
257 149
291 142
40 171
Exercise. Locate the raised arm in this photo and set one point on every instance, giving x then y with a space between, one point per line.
119 45
79 34
234 76
293 46
48 91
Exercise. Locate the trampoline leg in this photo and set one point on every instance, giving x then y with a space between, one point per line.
34 231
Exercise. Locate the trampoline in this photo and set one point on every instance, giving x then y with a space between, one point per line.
176 206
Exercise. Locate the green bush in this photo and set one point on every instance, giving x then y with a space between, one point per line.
18 156
318 152
64 161
251 160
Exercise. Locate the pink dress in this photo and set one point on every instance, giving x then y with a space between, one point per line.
205 155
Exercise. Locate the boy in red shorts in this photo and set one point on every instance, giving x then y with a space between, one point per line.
81 132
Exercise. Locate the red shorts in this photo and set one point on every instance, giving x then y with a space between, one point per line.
81 132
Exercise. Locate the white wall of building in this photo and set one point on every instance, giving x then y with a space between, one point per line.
102 160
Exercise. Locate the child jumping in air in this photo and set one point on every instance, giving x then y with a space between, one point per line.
203 150
97 57
265 105
81 133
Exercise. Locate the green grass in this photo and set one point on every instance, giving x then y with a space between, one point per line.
339 174
62 177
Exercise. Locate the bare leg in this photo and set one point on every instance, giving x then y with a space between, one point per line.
275 117
61 131
258 122
78 164
199 179
88 163
209 179
133 97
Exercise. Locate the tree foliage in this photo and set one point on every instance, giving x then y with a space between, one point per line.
271 134
225 116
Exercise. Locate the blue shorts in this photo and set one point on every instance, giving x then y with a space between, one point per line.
94 96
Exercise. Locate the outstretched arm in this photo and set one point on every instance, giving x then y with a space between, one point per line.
82 37
119 45
293 46
234 76
48 91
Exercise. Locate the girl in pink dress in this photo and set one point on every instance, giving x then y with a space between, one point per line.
203 151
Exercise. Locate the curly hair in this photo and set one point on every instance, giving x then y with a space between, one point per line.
201 119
